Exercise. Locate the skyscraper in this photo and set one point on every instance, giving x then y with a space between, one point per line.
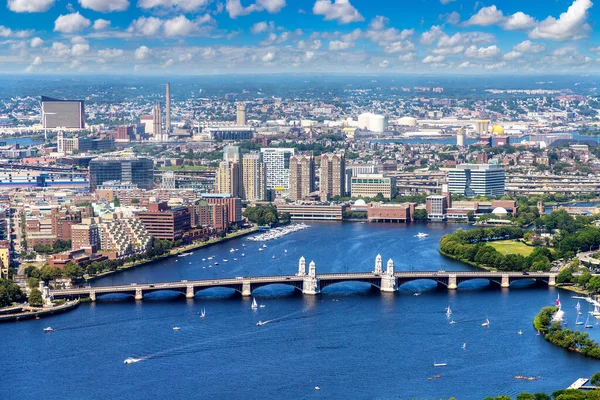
228 178
241 115
139 171
168 108
302 177
477 180
254 177
62 113
277 162
332 176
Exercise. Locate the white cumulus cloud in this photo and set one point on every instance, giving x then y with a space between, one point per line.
29 6
483 52
179 26
105 5
100 24
335 45
433 59
236 9
338 10
70 23
261 27
110 53
268 57
36 42
571 25
180 5
486 16
518 22
143 53
528 46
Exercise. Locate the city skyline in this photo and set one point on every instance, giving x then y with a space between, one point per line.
279 36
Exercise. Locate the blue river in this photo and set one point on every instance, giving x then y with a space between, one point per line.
351 341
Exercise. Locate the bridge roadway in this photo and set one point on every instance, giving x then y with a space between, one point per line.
387 281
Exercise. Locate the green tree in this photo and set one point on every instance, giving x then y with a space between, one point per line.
420 214
594 284
565 276
35 298
584 278
73 271
595 380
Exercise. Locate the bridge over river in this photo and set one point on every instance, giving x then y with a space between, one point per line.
309 283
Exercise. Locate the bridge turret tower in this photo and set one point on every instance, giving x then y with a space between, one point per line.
390 268
312 269
311 284
302 267
378 265
389 283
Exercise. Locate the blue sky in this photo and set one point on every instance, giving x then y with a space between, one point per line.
274 36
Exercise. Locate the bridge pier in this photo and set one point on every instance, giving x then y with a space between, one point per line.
452 282
93 295
311 284
552 280
389 283
189 292
505 281
139 294
246 290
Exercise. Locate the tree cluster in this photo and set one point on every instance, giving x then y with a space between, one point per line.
470 246
262 214
10 293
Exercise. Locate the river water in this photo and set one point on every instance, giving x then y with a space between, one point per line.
350 341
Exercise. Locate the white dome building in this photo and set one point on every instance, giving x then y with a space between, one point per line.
407 121
500 212
377 123
364 120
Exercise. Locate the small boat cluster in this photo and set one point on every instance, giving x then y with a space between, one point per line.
276 233
527 378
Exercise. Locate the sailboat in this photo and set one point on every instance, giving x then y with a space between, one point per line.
203 313
254 304
486 323
587 323
464 346
49 329
448 311
577 321
578 308
520 332
452 322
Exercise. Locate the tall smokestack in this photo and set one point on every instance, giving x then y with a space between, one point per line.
168 109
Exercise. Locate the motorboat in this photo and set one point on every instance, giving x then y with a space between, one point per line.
184 254
439 364
464 346
225 260
520 332
204 259
486 323
452 322
317 388
260 323
49 329
421 235
131 360
417 294
235 259
260 249
176 328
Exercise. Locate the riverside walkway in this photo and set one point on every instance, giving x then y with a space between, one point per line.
309 282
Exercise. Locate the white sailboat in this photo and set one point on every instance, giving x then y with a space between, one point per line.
578 308
448 311
520 332
577 321
203 313
486 323
254 304
587 323
464 346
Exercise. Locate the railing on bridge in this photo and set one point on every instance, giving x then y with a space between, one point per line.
310 282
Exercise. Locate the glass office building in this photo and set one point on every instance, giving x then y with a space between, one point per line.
138 171
477 180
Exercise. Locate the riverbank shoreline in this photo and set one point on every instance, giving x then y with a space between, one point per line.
41 312
174 253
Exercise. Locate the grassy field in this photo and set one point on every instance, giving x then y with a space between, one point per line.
511 247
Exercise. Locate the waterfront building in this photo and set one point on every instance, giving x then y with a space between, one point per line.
164 222
302 177
477 180
254 177
130 169
56 113
277 163
390 212
370 185
312 211
332 176
227 179
205 214
355 170
241 115
233 204
436 206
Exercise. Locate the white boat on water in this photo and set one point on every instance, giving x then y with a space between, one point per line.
184 254
260 249
520 332
448 311
131 360
452 322
49 329
417 294
464 346
486 323
209 258
204 259
232 250
176 328
243 255
264 246
435 364
254 304
225 260
203 313
260 323
421 235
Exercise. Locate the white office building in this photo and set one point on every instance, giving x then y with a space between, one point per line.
477 180
277 163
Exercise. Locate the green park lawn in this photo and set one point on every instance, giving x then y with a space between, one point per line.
511 247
